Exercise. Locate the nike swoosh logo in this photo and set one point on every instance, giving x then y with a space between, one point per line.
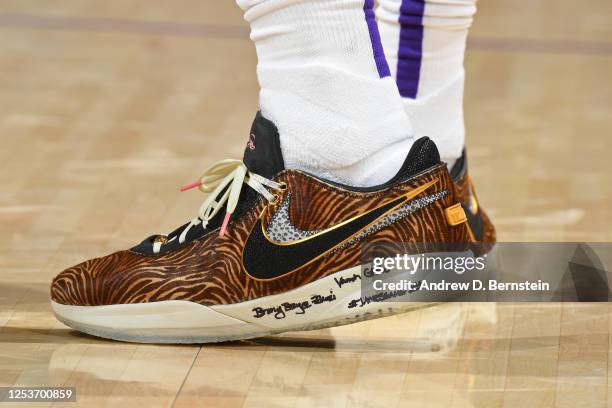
264 259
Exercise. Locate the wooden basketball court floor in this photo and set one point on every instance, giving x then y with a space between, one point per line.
106 107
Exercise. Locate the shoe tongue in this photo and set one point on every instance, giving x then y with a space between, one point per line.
262 154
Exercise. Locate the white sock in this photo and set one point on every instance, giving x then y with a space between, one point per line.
424 42
326 85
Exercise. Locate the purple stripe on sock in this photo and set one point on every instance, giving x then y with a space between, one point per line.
410 49
377 47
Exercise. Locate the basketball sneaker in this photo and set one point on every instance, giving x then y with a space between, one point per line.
481 227
271 250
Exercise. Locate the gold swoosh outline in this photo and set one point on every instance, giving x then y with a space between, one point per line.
407 197
473 205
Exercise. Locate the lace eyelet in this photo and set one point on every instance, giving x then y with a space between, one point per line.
161 239
282 186
275 199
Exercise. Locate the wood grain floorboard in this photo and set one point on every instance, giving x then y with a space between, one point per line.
107 107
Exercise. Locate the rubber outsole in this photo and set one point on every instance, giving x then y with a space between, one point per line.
334 300
327 302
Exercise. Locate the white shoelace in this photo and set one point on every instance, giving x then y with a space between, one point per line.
214 180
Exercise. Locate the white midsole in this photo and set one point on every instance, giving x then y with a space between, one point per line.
327 298
333 300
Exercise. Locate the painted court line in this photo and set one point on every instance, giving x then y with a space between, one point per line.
233 31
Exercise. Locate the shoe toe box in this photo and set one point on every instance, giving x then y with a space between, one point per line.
98 281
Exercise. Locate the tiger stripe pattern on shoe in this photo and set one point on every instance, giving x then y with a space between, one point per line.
210 270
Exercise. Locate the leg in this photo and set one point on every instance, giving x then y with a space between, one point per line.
326 85
424 42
